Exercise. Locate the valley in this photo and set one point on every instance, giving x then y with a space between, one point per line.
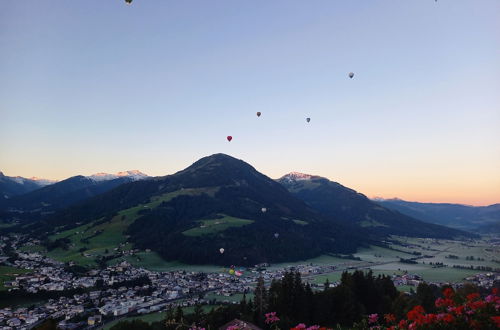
205 236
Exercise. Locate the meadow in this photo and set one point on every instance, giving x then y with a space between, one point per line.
212 226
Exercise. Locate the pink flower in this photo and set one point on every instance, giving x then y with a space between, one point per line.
271 318
300 326
313 327
372 318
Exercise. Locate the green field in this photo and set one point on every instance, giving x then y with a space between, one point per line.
149 318
379 254
235 297
321 260
212 226
9 273
153 261
300 222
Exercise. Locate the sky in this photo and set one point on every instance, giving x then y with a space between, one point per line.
101 86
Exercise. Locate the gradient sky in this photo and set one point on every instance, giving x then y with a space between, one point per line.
99 86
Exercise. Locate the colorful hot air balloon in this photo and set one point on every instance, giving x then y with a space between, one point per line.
229 138
264 210
258 114
351 75
231 271
308 119
221 250
238 273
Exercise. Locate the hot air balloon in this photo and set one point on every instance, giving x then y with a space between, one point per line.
308 119
264 210
229 138
238 273
276 235
351 75
128 2
258 114
231 272
221 250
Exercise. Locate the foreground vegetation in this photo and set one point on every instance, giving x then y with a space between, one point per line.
360 301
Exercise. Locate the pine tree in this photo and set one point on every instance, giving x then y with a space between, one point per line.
179 315
260 300
198 312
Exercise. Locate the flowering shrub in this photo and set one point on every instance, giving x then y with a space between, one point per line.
271 318
473 313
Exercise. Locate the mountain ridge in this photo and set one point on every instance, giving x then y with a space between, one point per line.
217 202
334 199
454 215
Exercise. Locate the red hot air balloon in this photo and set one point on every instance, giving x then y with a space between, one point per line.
229 138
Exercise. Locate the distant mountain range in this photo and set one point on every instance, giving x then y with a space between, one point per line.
335 200
218 202
41 196
475 218
11 186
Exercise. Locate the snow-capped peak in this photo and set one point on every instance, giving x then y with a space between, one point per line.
42 181
133 174
38 181
297 176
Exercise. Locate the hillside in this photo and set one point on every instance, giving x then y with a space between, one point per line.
218 202
453 215
335 200
14 186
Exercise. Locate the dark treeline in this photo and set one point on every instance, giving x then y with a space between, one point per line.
294 302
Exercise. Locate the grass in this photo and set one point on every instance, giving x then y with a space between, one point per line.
213 226
300 222
235 297
406 288
371 223
380 254
153 261
321 260
149 318
156 317
7 224
9 273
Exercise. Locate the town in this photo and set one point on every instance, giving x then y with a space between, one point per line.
97 296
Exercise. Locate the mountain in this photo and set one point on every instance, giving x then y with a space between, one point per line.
133 175
217 202
67 192
13 186
333 199
452 215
